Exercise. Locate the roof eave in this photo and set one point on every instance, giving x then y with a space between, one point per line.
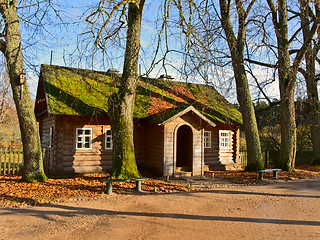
186 110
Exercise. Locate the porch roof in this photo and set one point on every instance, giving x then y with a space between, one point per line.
181 111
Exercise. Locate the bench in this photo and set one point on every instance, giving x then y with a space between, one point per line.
275 173
110 181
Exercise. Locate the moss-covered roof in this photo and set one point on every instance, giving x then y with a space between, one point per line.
78 92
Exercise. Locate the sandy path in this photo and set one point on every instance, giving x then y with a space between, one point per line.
284 210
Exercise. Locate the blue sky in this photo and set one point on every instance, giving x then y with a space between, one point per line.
61 39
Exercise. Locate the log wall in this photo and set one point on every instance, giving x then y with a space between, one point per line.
218 158
154 149
155 145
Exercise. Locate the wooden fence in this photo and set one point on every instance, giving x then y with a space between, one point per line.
10 161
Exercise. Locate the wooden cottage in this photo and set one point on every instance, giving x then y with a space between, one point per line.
179 127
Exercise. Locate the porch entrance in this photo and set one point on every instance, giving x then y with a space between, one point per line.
184 149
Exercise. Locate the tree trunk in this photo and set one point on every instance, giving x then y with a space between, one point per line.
287 78
314 104
311 82
286 86
33 163
236 47
121 105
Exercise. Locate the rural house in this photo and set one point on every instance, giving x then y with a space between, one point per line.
180 128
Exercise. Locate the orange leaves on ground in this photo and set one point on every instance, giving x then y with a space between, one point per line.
252 177
15 193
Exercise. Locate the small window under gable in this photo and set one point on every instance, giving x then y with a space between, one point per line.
225 139
207 139
84 138
108 138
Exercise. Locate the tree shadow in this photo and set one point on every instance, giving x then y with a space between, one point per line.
259 193
69 211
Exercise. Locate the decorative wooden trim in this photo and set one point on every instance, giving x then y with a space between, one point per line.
188 109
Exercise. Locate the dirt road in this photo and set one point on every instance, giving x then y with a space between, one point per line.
283 210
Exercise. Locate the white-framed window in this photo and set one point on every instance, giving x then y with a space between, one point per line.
84 138
50 137
225 138
207 139
108 138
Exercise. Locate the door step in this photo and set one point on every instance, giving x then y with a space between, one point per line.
183 174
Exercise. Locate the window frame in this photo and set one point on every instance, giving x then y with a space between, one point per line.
105 138
84 135
207 139
229 139
50 140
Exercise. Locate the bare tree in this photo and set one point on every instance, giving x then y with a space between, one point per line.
121 104
287 74
309 73
10 46
201 27
236 46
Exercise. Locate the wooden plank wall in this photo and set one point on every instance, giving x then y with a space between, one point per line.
94 160
216 157
154 149
44 126
140 141
68 160
211 155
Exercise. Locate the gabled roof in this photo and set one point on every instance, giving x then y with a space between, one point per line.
78 92
186 110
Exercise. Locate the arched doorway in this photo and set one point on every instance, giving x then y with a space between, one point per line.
184 148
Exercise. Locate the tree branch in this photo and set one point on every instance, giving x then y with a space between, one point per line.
303 49
2 46
274 14
259 86
260 63
249 7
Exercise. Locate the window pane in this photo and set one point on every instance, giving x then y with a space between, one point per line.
79 145
80 131
87 132
86 145
87 139
225 139
207 139
108 139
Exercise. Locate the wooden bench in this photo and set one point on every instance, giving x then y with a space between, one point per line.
110 181
275 173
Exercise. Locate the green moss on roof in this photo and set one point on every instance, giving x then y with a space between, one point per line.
71 91
79 92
